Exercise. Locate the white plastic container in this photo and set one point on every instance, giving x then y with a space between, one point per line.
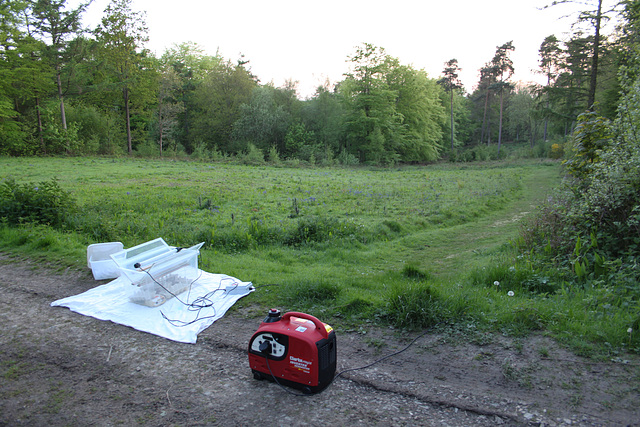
100 262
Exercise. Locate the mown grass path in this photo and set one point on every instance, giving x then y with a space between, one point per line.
449 251
462 247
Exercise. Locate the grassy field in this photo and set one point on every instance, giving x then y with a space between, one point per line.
410 246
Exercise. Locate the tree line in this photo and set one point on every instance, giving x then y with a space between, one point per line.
69 90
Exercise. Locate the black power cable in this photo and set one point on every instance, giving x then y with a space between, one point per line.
266 356
387 356
197 305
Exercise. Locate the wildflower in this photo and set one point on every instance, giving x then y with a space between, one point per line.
496 283
630 330
510 293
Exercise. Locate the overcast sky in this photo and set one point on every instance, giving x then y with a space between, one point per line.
310 41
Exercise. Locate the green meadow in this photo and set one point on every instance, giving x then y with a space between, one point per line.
411 247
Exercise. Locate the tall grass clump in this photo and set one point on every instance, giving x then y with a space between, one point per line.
415 305
310 293
298 232
504 276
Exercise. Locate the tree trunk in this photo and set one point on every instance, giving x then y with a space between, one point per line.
451 119
125 93
484 117
594 61
61 96
161 128
44 147
500 124
546 113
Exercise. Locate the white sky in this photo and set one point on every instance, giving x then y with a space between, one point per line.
310 41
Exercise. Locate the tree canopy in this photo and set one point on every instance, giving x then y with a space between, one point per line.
114 96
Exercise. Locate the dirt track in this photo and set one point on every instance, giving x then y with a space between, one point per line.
60 368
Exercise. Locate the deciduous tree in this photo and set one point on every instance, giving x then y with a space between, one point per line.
372 122
55 24
121 36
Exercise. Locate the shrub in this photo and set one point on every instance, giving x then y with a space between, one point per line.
347 159
43 203
557 151
591 137
317 229
253 156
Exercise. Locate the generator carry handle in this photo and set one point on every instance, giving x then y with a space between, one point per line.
319 325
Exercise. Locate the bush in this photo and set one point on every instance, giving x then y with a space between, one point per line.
253 156
98 132
557 151
347 159
591 137
319 229
592 223
43 203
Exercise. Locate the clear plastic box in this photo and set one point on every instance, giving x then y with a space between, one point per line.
160 271
100 262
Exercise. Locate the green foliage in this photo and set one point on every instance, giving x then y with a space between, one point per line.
253 156
297 138
262 122
304 231
44 203
14 140
215 95
274 156
479 153
347 159
591 137
56 139
393 112
121 36
98 132
587 236
320 229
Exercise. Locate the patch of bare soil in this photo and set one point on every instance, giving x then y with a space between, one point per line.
61 368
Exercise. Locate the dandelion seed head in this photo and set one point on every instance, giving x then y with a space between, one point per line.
496 283
510 293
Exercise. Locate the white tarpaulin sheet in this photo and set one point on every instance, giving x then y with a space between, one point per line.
179 319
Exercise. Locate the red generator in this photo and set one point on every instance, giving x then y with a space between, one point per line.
296 350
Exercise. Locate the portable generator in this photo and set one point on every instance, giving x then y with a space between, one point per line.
296 350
